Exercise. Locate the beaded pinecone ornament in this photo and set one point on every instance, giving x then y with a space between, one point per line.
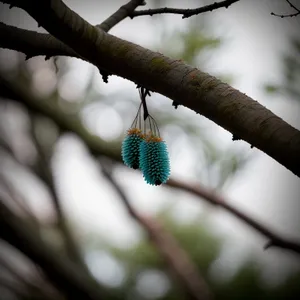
131 148
146 151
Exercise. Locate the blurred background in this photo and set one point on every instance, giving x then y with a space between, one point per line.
50 178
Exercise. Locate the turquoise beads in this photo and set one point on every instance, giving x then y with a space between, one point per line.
154 161
149 154
131 148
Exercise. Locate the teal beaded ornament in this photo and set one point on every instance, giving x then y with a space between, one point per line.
143 147
154 162
131 148
154 157
131 144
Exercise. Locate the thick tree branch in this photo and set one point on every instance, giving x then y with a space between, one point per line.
122 13
19 92
187 86
61 272
186 13
33 43
176 258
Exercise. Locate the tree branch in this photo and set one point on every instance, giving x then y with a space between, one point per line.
45 173
33 43
293 6
188 86
218 200
176 258
66 123
61 272
19 200
18 291
123 12
186 13
19 91
288 15
28 283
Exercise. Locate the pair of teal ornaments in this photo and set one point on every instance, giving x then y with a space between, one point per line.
147 152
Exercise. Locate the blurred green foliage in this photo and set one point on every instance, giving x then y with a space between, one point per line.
190 44
290 74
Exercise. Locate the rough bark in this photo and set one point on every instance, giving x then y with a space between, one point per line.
33 43
199 91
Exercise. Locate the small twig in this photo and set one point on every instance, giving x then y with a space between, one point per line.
122 13
288 15
173 254
216 199
186 13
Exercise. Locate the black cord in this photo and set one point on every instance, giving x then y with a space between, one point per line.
143 93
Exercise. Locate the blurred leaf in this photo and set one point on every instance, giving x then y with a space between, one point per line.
290 74
270 88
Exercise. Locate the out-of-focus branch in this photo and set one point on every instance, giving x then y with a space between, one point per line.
98 147
176 258
45 173
68 123
123 12
288 15
18 200
28 284
14 289
186 13
61 272
218 200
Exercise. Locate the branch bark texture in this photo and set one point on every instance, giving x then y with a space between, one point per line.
188 86
33 43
